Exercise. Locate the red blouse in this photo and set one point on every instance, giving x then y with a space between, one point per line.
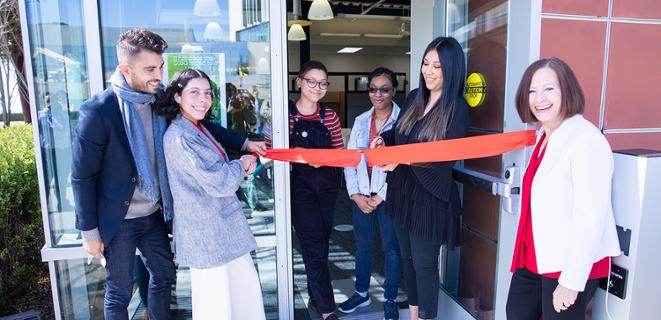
524 248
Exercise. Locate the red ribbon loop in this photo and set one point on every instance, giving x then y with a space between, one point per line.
436 151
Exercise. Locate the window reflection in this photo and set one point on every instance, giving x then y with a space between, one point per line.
81 289
61 85
469 273
229 40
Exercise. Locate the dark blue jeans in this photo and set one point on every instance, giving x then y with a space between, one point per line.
149 234
363 229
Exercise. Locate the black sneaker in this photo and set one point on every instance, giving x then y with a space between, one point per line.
390 310
356 301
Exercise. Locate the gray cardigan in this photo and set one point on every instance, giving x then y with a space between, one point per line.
209 227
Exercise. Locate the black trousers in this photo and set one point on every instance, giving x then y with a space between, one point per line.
531 296
420 267
313 196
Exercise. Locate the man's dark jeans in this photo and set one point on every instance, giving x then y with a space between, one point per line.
149 234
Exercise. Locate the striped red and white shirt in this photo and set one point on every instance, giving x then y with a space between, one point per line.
331 121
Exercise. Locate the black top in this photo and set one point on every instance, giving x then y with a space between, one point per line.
423 197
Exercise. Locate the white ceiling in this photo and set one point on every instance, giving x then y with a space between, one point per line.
360 25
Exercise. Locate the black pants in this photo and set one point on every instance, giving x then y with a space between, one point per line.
312 206
420 266
531 296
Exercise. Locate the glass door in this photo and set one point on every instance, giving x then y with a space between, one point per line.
240 44
476 275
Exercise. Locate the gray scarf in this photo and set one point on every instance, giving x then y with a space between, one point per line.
135 133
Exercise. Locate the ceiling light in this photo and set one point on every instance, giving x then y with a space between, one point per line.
262 66
336 34
188 48
383 35
213 32
206 8
349 50
320 10
296 33
371 17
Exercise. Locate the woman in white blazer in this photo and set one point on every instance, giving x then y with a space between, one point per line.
566 231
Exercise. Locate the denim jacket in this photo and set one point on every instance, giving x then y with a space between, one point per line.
209 227
356 177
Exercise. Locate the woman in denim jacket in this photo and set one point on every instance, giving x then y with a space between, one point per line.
367 188
211 234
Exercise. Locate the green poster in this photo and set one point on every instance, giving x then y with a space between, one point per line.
213 64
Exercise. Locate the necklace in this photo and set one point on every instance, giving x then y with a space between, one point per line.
377 124
382 119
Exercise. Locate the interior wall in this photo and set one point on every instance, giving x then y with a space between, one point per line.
422 18
360 63
615 57
351 62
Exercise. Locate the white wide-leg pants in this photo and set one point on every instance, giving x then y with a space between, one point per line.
229 292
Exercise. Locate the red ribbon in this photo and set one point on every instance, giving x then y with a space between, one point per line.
436 151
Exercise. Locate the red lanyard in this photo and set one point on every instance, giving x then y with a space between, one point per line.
373 130
199 127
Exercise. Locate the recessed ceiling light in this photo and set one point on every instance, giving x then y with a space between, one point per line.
337 34
349 50
383 35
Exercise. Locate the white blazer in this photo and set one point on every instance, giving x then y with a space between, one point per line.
572 216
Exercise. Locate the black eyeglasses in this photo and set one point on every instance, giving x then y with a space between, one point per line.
382 90
311 83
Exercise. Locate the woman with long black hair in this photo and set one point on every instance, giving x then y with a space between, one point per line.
423 199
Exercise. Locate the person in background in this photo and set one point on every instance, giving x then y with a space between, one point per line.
231 91
423 199
566 232
55 140
314 189
242 109
367 188
211 235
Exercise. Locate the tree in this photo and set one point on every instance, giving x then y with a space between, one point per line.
12 58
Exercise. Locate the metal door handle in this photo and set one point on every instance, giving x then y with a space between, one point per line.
504 187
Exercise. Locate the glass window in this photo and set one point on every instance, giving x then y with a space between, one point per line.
469 272
81 289
57 43
229 40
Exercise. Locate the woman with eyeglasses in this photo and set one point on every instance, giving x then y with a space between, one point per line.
314 188
423 199
367 188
